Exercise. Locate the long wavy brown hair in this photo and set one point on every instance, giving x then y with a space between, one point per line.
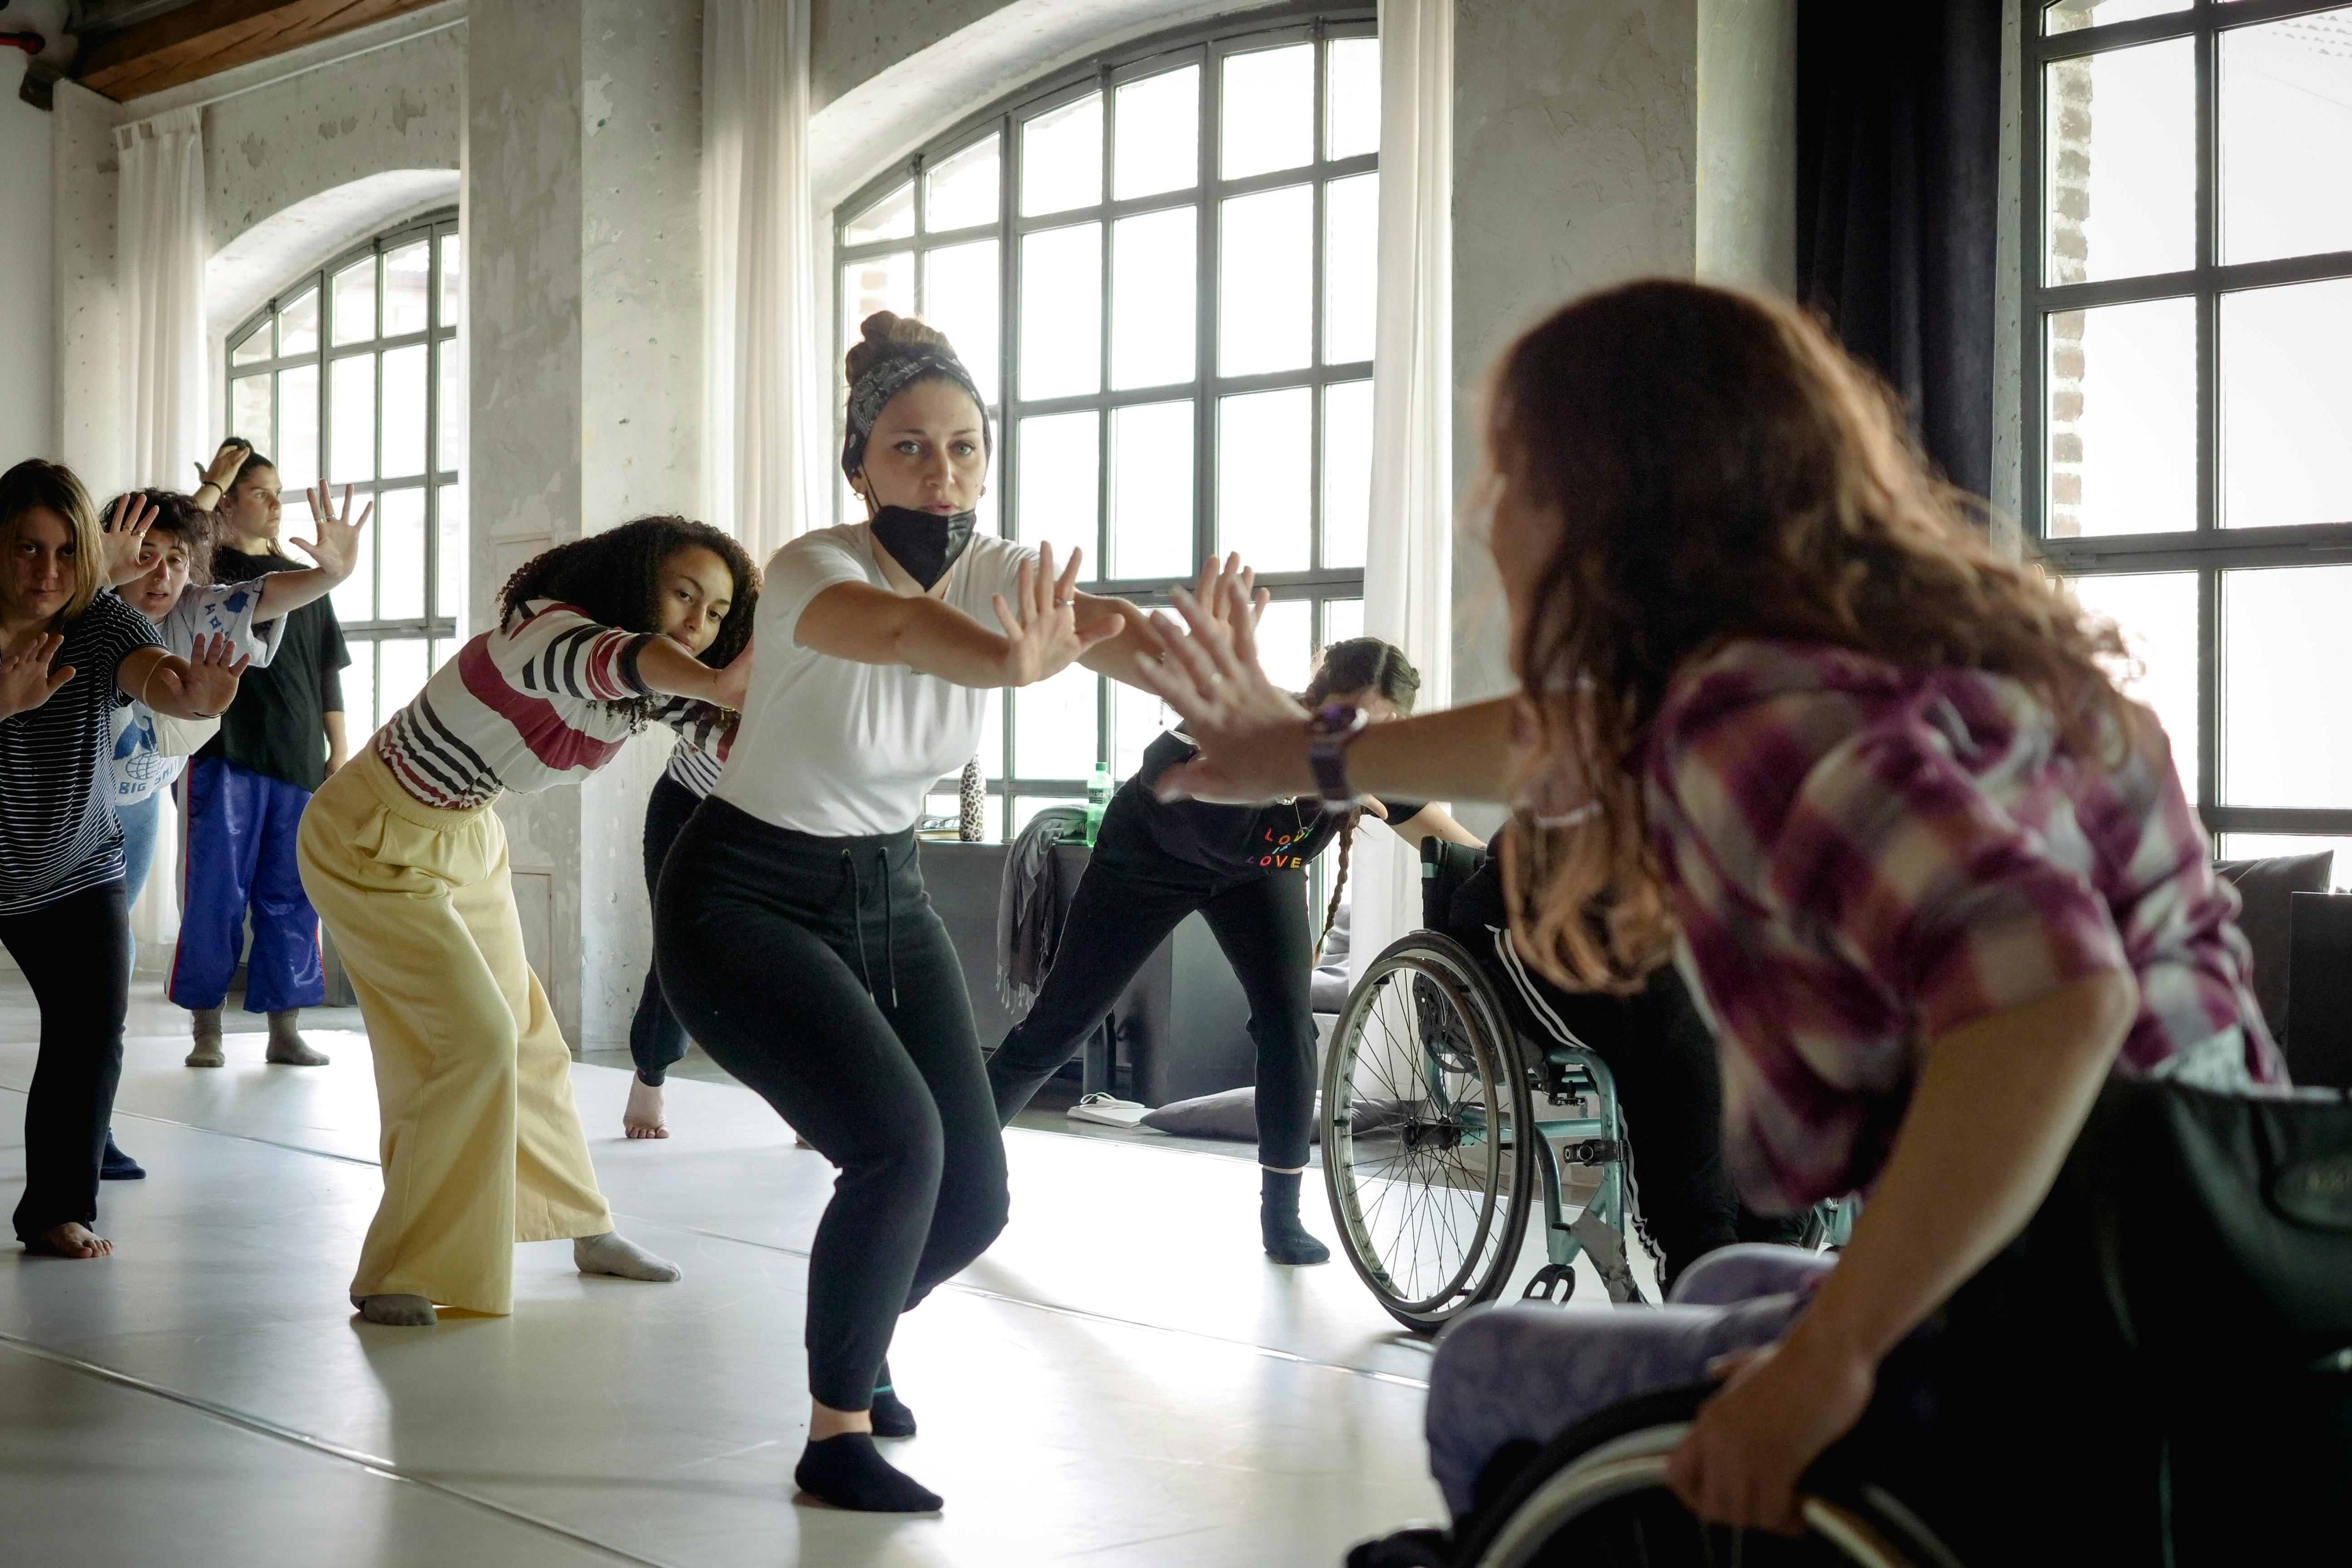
1719 469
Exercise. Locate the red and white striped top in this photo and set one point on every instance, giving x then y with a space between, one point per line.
527 706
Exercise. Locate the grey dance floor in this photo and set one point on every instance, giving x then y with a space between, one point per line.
1124 1379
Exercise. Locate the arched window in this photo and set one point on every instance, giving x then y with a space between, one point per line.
354 374
1161 269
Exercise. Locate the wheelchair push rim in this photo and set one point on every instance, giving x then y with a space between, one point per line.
1430 1199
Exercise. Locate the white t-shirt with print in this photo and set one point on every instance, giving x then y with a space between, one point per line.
840 749
205 609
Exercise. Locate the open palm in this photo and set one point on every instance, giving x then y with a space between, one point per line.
337 548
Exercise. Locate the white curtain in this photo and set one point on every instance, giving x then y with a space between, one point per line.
1408 571
161 248
765 410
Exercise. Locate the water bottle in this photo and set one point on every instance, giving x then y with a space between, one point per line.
1098 800
972 802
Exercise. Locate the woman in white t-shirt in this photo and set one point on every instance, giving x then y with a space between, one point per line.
792 931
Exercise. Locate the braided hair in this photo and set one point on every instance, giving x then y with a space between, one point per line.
615 579
1357 664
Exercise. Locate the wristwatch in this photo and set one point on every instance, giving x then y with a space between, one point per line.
1329 734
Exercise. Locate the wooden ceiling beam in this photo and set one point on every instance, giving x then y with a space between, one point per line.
209 37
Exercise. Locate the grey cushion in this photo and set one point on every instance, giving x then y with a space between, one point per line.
1234 1114
2267 890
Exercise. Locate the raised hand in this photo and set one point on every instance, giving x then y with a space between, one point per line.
1251 732
126 538
227 464
25 679
214 669
337 548
1041 634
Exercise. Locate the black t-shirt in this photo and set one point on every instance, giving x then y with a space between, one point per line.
278 725
58 832
1236 841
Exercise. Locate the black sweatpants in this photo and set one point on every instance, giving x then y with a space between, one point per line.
656 1039
817 971
1124 907
76 955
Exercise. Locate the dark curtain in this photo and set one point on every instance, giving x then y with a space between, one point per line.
1898 169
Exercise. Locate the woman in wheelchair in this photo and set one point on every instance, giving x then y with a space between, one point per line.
1244 869
1787 716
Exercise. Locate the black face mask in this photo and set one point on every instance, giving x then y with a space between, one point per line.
924 543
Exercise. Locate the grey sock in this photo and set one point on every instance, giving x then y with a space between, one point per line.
205 1027
613 1253
398 1312
287 1045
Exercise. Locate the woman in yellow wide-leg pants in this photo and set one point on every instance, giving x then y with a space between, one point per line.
480 1145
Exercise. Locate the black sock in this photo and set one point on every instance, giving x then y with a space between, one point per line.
1287 1240
848 1472
891 1416
117 1166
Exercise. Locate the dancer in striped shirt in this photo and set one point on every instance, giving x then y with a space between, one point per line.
407 865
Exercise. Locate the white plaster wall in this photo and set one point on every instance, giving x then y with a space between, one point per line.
1747 144
28 407
88 340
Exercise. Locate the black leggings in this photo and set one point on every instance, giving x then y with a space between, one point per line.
656 1039
817 971
1122 912
76 955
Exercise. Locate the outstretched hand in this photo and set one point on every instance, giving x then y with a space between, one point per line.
1251 732
1041 634
337 548
126 538
215 667
25 679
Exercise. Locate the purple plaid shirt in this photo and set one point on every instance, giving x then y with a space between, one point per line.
1862 858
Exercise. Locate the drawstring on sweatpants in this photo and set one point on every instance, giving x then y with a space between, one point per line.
857 922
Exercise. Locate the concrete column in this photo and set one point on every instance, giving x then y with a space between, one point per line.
583 254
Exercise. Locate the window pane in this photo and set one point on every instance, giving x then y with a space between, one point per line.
297 427
1136 719
2074 15
407 289
961 190
2286 644
2262 846
400 555
1026 806
961 299
359 717
877 283
449 594
1153 320
892 218
298 324
2122 390
1265 273
351 456
1347 472
253 349
451 454
1054 726
1061 158
354 296
2122 165
354 596
1158 143
1059 463
1061 312
1262 439
248 411
403 410
1351 255
1269 111
2286 403
992 743
1352 99
1286 642
441 648
1151 491
401 664
2156 613
453 281
2287 137
1342 619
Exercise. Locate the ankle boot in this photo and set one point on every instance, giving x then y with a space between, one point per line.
287 1046
205 1024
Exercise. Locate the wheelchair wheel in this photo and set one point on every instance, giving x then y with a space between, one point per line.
1429 1134
1598 1498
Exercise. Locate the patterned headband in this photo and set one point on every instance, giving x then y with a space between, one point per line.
885 381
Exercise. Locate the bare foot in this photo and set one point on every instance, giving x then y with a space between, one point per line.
71 1239
642 1118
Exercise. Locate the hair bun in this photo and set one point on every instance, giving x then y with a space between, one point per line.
876 328
885 335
